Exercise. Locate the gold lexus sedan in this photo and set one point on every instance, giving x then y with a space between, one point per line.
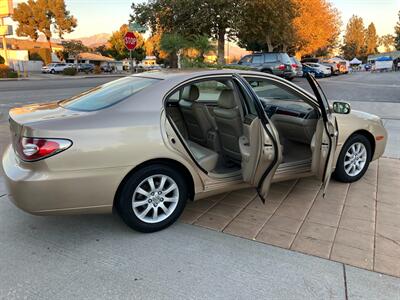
144 144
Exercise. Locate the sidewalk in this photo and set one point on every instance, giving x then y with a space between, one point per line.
99 257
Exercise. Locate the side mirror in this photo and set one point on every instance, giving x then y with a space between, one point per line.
341 107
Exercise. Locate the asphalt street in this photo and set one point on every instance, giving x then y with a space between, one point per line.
97 257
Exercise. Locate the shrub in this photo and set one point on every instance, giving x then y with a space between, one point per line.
12 74
4 70
70 71
97 70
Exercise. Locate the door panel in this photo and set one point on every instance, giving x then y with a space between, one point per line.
261 153
325 136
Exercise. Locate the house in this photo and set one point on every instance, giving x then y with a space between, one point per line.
92 58
149 61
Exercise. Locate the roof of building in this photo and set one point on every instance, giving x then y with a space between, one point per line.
95 57
26 44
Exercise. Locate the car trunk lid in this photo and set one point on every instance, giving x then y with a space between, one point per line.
24 120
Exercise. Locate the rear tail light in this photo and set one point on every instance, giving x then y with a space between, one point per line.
33 149
281 67
294 66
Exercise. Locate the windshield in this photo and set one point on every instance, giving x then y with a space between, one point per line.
108 94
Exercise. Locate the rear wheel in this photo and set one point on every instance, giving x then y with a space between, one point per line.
152 198
354 159
52 71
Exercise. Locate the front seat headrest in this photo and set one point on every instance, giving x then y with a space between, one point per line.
190 93
226 99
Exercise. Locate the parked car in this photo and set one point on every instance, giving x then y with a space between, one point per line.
297 66
197 134
326 70
84 67
272 63
106 68
333 66
307 69
54 68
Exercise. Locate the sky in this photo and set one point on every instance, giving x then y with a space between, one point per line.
106 16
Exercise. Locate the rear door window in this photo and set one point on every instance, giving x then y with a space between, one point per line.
210 90
257 59
270 57
108 94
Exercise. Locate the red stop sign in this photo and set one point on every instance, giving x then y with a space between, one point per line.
130 40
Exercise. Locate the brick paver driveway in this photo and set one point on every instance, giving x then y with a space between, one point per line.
357 224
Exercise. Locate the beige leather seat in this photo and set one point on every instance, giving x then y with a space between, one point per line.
206 158
229 123
195 115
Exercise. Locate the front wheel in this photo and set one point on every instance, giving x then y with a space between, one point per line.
354 159
152 198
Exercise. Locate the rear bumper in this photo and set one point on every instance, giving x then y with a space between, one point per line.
46 192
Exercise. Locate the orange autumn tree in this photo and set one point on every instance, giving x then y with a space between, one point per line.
152 45
317 26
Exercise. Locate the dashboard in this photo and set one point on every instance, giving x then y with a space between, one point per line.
288 108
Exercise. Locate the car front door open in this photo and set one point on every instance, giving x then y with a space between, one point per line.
259 147
325 136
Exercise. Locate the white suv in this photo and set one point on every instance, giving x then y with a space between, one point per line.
54 68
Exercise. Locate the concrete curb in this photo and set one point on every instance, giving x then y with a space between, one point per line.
60 77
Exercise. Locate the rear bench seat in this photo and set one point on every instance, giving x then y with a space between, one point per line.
206 158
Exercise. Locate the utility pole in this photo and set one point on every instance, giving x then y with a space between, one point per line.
6 10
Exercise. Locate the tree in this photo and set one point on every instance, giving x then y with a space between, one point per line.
214 18
273 29
2 60
202 44
371 40
73 48
117 47
173 44
397 34
316 26
43 16
354 38
388 42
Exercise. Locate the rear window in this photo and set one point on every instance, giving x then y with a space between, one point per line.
108 94
285 58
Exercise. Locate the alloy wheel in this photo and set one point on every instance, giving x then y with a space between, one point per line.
155 198
355 159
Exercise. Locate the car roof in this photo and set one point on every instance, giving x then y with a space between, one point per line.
178 75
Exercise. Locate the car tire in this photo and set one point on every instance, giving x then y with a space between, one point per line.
267 71
354 159
53 71
142 202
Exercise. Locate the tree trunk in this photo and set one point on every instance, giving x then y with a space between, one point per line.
51 49
269 44
221 46
173 60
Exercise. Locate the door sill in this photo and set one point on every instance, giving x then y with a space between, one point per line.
300 166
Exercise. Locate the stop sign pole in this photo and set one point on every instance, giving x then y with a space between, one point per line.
130 41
